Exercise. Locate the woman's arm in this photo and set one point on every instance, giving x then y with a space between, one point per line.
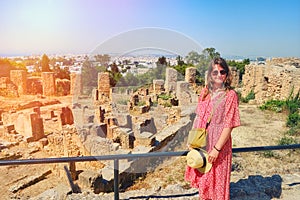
214 153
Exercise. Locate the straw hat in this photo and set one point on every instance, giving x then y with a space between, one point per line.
197 158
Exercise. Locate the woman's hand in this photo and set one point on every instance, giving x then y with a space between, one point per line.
213 155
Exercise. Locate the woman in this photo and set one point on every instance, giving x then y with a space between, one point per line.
220 97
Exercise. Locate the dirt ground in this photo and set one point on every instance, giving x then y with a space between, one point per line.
258 129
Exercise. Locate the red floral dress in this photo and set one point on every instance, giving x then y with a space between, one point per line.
215 183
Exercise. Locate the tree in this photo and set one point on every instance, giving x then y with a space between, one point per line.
5 67
211 53
45 63
61 73
180 62
89 75
193 58
115 74
102 59
162 60
239 65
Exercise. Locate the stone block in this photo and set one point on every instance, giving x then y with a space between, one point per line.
111 132
92 180
99 130
9 128
145 139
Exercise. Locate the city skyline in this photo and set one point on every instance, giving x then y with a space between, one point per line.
233 28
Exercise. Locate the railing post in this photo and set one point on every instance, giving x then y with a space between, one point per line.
116 178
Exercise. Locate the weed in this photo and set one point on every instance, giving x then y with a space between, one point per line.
164 96
268 154
287 141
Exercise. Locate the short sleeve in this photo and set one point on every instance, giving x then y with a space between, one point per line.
232 114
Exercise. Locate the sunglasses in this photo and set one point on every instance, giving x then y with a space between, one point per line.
216 72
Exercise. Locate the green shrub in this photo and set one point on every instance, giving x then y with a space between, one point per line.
293 102
164 96
249 97
293 120
167 104
294 131
273 105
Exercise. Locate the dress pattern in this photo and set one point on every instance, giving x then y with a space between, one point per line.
215 183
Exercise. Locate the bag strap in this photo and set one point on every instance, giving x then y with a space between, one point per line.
214 109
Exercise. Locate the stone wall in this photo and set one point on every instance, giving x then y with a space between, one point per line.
274 80
34 85
7 88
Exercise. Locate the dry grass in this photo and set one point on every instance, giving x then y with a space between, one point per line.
171 172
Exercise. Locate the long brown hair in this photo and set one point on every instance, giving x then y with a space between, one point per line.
209 82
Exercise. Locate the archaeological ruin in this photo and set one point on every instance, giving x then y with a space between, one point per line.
111 121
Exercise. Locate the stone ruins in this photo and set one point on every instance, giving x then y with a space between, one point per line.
113 121
29 119
272 80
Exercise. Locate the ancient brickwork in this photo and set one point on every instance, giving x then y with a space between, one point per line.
48 80
158 86
104 90
171 79
19 78
274 80
7 88
126 137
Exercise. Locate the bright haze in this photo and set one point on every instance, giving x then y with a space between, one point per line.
234 28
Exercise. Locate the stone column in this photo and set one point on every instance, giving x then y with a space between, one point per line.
171 79
19 78
48 80
190 75
104 90
76 84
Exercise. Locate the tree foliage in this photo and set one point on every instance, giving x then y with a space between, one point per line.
45 63
61 73
5 67
239 65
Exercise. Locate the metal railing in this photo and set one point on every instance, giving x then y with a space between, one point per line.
116 159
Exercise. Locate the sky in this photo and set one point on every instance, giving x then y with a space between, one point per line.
269 28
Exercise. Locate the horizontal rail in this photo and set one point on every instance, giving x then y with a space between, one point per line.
118 157
132 156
